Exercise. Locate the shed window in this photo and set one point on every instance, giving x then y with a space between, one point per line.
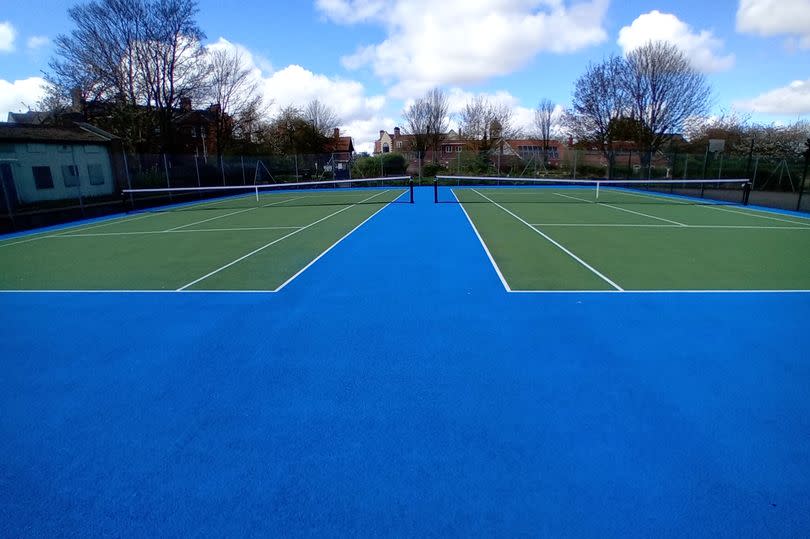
96 174
42 177
70 175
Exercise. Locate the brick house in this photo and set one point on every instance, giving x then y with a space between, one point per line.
341 148
513 152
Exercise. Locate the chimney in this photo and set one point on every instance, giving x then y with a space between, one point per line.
185 104
570 141
76 101
396 131
381 134
213 109
337 132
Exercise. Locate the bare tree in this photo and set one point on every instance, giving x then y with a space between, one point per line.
437 123
543 116
664 90
417 125
600 99
485 123
235 92
171 59
132 54
322 118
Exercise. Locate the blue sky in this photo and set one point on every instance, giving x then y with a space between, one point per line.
366 58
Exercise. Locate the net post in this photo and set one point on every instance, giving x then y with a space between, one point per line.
410 188
597 190
256 187
746 192
128 202
436 190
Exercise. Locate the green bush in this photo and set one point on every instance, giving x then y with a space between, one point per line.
390 164
432 169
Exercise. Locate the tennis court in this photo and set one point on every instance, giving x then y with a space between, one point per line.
394 387
250 240
564 238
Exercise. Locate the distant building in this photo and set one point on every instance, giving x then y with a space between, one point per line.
194 131
341 149
510 152
48 163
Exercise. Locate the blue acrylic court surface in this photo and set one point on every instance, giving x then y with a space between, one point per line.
395 388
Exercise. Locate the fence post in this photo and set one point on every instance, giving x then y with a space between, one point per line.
242 160
222 167
197 170
126 171
804 175
8 202
166 169
754 177
78 178
574 168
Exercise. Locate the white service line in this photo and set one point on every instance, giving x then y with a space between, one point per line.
559 245
349 233
80 227
265 246
77 227
150 232
623 209
749 211
484 245
231 213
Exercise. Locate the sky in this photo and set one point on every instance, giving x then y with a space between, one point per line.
368 59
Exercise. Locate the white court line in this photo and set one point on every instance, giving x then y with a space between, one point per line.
623 209
559 245
76 227
263 247
149 232
80 227
349 233
640 225
609 292
676 291
232 213
484 245
748 212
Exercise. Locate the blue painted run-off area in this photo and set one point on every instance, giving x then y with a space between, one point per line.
396 389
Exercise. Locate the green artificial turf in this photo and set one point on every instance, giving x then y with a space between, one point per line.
641 242
168 250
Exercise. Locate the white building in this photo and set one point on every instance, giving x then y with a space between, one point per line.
49 163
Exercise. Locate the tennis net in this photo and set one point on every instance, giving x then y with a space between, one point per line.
561 191
396 189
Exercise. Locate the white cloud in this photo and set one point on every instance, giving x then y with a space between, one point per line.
791 99
776 17
702 48
35 42
522 116
432 43
18 95
360 113
7 36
